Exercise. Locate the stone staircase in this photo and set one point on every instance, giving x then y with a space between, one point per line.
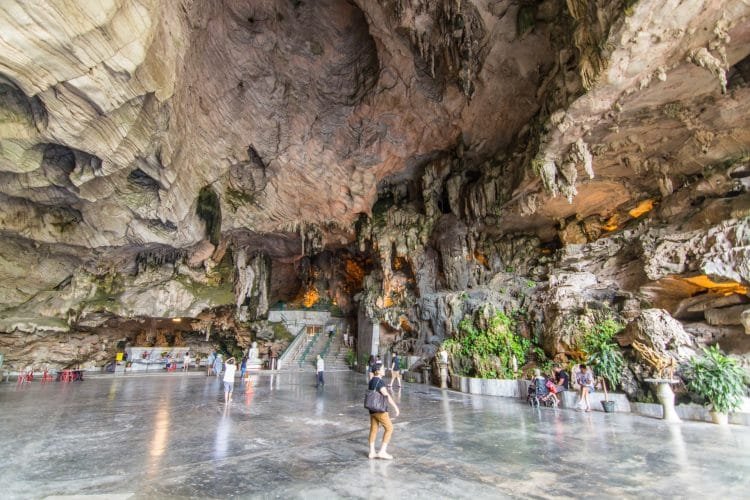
335 357
332 350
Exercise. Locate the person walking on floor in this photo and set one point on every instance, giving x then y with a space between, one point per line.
210 363
186 362
230 368
218 363
320 369
381 418
374 364
395 371
243 367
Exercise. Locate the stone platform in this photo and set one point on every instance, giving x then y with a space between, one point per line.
171 436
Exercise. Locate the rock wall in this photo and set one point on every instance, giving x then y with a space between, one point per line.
414 160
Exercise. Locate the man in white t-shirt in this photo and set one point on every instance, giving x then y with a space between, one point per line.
320 368
186 362
229 370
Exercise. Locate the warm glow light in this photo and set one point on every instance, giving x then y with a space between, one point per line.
727 287
611 223
310 298
404 323
176 320
355 274
643 207
482 259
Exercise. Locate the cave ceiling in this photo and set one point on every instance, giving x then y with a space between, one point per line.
297 113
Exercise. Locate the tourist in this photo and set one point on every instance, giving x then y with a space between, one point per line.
186 362
395 371
320 368
210 363
374 364
243 367
229 370
585 379
218 364
562 379
370 366
270 358
381 418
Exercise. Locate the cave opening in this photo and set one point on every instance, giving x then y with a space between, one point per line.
444 203
209 210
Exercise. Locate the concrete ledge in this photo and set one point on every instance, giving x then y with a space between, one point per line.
692 412
491 387
652 410
568 399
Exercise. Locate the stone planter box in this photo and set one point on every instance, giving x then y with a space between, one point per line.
412 377
455 383
568 399
688 412
489 387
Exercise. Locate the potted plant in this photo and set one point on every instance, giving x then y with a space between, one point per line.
607 405
718 380
606 358
351 358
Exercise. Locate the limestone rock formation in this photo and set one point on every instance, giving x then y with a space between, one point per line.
656 329
191 165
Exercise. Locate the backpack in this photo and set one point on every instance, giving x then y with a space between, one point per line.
551 386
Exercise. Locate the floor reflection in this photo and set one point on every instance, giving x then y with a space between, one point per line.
320 405
447 412
155 438
221 441
113 389
249 390
160 437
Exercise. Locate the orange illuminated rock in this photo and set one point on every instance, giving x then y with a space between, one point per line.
311 297
612 223
642 208
726 288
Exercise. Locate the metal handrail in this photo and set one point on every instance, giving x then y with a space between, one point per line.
307 349
324 351
293 348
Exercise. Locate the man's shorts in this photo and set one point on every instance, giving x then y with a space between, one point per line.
228 386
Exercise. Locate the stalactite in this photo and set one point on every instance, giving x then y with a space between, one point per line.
157 257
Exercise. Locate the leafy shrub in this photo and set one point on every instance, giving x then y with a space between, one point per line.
351 357
601 352
716 378
487 353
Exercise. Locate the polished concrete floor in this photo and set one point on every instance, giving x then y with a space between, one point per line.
172 436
